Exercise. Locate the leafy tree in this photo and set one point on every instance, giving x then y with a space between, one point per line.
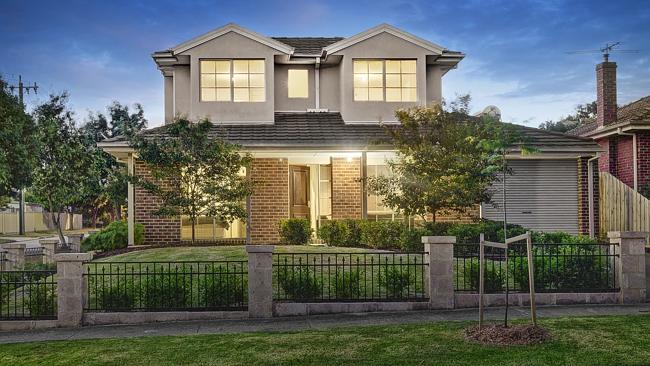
65 168
446 160
194 174
584 113
17 143
110 190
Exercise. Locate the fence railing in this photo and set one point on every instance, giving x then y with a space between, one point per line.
166 286
325 277
28 295
34 252
557 267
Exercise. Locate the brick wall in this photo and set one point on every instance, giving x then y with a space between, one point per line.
603 161
643 157
466 217
583 197
346 188
625 160
157 230
270 200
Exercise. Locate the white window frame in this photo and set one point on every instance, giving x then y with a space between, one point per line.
383 86
232 86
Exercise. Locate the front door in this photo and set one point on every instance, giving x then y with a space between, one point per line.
299 191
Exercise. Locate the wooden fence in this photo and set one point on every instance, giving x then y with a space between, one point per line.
621 207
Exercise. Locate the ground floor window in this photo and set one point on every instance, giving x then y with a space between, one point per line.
211 229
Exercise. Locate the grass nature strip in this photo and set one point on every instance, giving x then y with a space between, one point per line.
612 340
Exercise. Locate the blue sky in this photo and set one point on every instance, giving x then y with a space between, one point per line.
99 51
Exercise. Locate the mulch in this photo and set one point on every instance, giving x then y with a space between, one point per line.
500 335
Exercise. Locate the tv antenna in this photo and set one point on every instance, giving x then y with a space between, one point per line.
605 51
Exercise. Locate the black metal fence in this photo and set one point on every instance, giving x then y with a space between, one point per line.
329 277
28 295
167 286
557 267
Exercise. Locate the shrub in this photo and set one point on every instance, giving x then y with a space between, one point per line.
397 282
299 283
339 233
382 234
411 239
494 277
347 284
114 236
166 290
42 300
118 297
295 231
222 290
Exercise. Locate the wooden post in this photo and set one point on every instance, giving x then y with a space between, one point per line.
481 280
531 277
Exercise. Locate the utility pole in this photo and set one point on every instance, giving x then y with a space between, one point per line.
21 193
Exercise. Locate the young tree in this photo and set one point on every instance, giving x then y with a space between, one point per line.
584 113
17 143
194 174
65 169
446 160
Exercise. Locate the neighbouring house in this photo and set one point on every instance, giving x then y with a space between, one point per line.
622 132
310 111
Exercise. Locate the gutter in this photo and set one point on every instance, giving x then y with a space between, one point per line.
634 155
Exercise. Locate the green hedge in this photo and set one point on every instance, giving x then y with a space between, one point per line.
114 236
295 231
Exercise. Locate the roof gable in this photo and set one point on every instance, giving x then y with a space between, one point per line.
384 28
232 27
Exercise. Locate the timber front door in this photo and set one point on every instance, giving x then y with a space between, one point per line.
299 191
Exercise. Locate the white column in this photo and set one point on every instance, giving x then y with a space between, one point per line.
131 203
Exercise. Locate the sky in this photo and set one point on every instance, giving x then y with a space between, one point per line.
516 50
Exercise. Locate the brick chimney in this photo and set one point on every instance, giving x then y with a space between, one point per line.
606 89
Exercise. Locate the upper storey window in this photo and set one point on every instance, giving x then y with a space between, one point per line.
389 80
232 80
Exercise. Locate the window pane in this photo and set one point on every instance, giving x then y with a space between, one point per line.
408 80
241 95
361 94
392 80
223 94
360 66
375 67
408 66
240 80
375 94
256 66
222 67
208 94
257 95
207 66
375 80
223 80
360 80
409 95
393 95
240 66
392 67
208 80
256 80
298 83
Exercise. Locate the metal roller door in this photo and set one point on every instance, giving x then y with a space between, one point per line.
541 195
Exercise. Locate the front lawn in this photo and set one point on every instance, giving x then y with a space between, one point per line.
621 340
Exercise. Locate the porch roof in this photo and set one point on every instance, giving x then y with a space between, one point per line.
328 130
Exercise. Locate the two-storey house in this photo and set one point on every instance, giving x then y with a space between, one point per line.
310 111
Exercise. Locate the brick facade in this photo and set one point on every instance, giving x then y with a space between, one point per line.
625 160
583 197
157 230
346 188
618 157
643 158
270 200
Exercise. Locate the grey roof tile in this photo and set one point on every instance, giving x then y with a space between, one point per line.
308 45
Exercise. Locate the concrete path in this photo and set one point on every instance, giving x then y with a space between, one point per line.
308 322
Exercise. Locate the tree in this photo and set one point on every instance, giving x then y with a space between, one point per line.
17 143
584 113
446 160
65 168
193 174
110 191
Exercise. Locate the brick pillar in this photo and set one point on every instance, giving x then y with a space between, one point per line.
260 281
606 93
346 188
157 230
49 248
71 287
15 255
440 275
630 265
269 202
